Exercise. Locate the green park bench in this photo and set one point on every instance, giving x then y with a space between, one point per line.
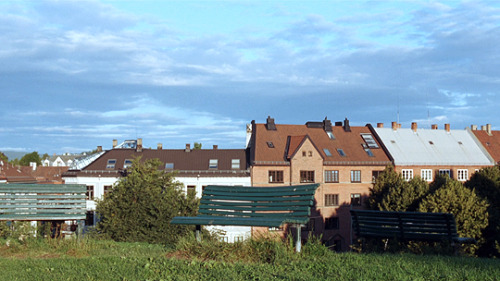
253 206
43 202
407 226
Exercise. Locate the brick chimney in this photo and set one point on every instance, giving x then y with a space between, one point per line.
99 148
414 127
270 125
188 147
115 143
394 126
160 146
488 129
347 127
215 147
434 126
380 125
139 145
447 127
473 127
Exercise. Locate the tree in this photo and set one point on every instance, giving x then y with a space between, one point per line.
197 145
470 210
486 184
30 157
143 203
4 157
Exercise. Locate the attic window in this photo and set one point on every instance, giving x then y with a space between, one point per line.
431 142
169 166
341 152
460 143
127 164
369 140
327 152
111 164
270 144
330 135
369 152
213 164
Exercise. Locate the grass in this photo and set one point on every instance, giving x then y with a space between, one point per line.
253 260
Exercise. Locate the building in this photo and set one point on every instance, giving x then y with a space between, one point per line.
344 159
428 152
65 160
489 139
13 174
196 168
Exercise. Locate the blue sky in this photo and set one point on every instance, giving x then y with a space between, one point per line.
78 74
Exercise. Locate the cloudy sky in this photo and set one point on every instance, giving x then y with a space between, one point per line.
78 74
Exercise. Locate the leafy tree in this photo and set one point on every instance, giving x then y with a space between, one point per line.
142 204
486 184
197 145
4 157
470 210
30 157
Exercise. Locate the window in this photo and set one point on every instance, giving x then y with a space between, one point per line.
341 152
107 189
369 152
89 218
239 238
90 192
376 174
235 163
111 164
310 153
170 166
304 154
273 228
462 174
275 176
407 174
332 223
444 172
356 176
369 140
213 164
331 199
270 144
327 152
356 199
330 135
331 176
426 174
191 189
127 163
306 176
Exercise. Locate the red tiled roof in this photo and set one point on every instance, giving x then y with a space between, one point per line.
350 142
490 142
15 175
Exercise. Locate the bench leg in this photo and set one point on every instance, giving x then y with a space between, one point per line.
298 244
198 233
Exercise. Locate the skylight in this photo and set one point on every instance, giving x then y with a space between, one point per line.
270 144
327 152
369 152
330 135
341 152
370 141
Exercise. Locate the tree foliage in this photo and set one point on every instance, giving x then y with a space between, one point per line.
486 184
30 157
4 157
142 204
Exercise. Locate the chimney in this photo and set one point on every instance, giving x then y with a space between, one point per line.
434 126
99 148
188 147
447 127
473 127
380 125
160 146
414 127
270 125
327 125
215 147
394 126
483 128
139 145
115 143
347 127
488 129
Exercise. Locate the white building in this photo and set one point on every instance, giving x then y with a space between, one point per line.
196 168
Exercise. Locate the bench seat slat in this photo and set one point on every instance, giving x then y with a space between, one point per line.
260 198
212 220
255 189
207 202
254 209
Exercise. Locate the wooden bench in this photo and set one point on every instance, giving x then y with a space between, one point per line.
407 226
254 206
43 202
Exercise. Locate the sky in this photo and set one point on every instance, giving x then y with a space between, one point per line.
75 75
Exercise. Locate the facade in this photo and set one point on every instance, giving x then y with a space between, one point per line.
196 168
342 158
428 152
65 160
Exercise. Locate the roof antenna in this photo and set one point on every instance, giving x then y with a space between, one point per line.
398 110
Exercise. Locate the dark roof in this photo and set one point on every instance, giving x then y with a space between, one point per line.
14 174
196 161
351 142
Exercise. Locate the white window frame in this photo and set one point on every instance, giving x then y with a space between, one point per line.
445 172
426 174
213 164
235 164
331 176
462 174
407 174
111 164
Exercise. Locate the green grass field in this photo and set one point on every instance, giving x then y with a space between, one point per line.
255 260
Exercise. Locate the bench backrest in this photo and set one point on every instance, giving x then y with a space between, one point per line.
404 225
31 202
291 202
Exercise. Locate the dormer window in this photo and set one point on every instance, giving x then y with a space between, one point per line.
235 163
169 166
127 164
213 164
111 164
